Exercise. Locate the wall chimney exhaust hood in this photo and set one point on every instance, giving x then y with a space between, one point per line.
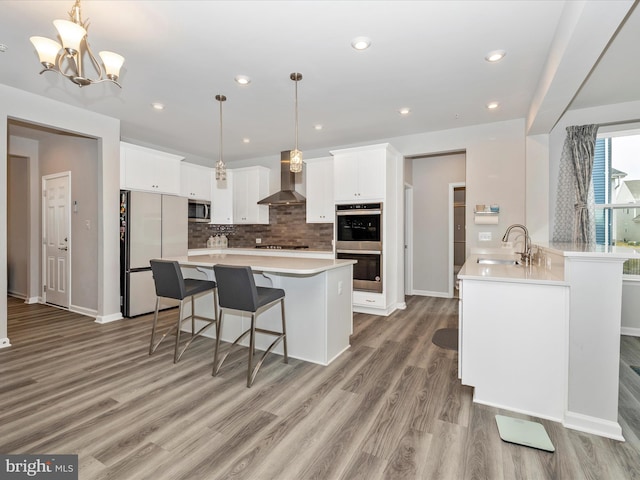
287 194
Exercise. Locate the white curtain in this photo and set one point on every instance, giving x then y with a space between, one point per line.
574 216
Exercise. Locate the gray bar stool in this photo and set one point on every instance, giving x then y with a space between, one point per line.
171 284
238 291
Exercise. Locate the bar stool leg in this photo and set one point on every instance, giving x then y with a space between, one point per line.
216 365
284 333
153 328
175 353
252 346
193 316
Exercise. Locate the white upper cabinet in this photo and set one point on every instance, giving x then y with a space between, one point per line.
195 181
250 185
149 170
359 174
319 186
222 199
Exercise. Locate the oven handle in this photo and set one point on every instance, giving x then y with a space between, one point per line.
345 213
362 252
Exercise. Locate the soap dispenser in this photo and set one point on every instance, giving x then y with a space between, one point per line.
210 242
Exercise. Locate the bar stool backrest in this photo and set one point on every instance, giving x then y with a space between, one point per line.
236 287
168 279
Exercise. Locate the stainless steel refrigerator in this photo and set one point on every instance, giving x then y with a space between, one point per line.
151 226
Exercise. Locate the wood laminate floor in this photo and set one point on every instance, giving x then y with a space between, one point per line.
390 407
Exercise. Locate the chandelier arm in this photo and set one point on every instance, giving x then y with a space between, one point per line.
95 62
61 71
105 80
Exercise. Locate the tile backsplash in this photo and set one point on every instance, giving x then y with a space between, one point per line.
287 226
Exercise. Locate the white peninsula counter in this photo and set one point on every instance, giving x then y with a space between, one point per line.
544 340
317 304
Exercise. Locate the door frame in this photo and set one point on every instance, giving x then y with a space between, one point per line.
408 239
43 271
452 187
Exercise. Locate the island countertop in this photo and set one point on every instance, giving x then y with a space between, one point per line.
275 264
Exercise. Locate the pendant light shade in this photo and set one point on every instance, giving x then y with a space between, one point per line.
295 157
221 168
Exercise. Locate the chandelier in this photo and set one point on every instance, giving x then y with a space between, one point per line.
67 59
221 168
295 157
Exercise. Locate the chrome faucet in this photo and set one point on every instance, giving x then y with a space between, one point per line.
526 255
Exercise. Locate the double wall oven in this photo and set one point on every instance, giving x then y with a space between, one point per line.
359 237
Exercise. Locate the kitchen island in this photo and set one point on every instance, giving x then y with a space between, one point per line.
317 304
544 339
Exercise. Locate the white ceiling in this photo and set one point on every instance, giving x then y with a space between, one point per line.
425 55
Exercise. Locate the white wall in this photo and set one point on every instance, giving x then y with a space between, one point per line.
18 226
60 153
28 149
17 104
431 179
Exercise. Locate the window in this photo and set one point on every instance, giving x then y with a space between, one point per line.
616 188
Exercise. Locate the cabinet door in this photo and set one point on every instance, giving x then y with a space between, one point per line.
320 205
222 199
371 175
345 177
195 181
249 186
241 197
149 170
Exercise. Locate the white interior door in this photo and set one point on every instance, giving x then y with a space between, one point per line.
57 238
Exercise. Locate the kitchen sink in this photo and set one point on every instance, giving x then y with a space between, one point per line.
498 261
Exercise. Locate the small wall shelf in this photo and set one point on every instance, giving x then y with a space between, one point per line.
486 218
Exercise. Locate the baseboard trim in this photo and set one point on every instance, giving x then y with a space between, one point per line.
593 425
631 331
32 300
516 410
429 293
109 318
83 311
4 342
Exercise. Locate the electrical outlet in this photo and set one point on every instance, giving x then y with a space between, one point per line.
258 240
484 236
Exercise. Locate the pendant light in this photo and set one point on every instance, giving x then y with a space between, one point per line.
221 169
295 157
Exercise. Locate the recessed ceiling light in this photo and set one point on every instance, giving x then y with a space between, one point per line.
495 56
318 127
242 80
492 105
3 47
404 111
157 106
361 43
246 140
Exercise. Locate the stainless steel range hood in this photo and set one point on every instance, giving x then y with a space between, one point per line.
287 194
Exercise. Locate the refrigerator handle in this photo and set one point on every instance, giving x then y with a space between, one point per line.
206 212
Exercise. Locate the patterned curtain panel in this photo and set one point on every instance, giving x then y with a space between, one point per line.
574 218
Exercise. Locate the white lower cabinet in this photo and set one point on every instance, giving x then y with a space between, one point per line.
514 345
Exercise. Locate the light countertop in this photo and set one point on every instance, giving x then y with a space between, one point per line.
264 263
272 252
510 273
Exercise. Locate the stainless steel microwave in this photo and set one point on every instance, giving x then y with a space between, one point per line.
199 211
